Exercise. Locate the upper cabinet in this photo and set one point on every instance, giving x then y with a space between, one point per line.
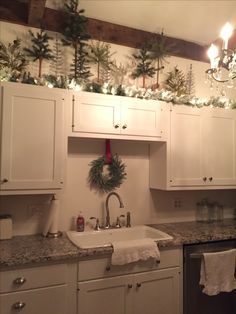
31 139
200 152
102 116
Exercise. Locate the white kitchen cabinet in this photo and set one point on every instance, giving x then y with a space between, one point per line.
32 144
103 296
42 289
107 116
131 289
200 152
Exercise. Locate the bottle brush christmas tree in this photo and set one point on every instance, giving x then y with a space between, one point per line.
40 48
159 52
190 86
12 59
176 82
144 67
75 35
101 56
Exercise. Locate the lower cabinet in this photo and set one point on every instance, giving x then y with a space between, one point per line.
142 288
46 289
155 292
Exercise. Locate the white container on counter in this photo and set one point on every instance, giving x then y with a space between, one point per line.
5 227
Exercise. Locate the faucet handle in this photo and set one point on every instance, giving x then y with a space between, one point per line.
128 220
118 224
97 225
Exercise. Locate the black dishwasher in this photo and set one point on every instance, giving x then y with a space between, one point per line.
196 302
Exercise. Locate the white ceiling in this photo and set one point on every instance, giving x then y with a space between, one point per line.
198 21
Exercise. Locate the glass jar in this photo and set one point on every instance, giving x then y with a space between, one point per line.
202 213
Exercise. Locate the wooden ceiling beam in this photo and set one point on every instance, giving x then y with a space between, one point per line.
36 10
52 20
13 11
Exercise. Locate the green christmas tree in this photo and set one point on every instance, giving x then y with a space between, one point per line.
57 62
176 82
159 52
12 58
144 67
101 56
40 48
75 35
190 86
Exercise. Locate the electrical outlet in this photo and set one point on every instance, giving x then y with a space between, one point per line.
177 203
35 211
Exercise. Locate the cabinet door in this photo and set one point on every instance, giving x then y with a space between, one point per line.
106 296
46 300
93 113
157 292
186 146
141 117
220 147
32 145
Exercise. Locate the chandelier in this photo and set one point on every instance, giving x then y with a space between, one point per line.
223 63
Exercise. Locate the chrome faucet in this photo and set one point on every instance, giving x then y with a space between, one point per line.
108 222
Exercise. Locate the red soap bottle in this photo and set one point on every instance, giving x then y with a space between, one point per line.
80 223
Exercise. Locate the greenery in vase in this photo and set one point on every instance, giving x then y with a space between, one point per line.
40 48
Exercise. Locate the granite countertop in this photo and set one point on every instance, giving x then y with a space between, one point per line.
25 250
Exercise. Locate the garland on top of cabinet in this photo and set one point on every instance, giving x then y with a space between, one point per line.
107 180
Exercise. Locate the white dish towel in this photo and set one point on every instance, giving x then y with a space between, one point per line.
217 272
134 250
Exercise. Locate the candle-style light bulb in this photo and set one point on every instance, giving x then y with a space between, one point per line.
226 33
212 54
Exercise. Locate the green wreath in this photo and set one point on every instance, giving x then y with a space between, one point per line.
113 179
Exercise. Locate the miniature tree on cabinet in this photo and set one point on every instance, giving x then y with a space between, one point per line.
144 66
75 35
40 48
190 86
176 82
159 52
100 55
12 59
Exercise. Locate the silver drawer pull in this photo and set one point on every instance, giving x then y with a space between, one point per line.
18 305
19 281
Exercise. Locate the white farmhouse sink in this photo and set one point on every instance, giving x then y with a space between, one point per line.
104 238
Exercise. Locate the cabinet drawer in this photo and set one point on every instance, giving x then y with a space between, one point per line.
99 268
38 301
35 277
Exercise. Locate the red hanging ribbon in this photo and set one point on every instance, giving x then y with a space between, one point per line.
108 152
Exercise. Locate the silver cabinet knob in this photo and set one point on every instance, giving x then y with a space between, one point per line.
3 181
19 281
210 179
138 285
124 126
117 126
204 179
130 286
108 268
18 305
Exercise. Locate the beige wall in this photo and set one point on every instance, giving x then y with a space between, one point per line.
146 206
